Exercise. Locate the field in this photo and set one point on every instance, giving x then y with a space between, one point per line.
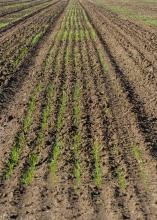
78 116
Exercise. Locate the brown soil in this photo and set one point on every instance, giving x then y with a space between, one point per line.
19 39
112 63
11 10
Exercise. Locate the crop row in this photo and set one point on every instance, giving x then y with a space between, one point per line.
28 118
135 153
76 37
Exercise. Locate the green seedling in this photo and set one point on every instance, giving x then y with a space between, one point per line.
21 56
119 171
63 102
56 151
97 171
14 156
2 25
76 108
21 138
76 35
31 108
76 135
103 64
121 178
70 35
137 155
28 175
16 5
87 34
36 38
75 56
75 148
93 34
65 35
81 34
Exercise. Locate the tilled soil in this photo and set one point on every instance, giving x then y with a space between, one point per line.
8 10
89 134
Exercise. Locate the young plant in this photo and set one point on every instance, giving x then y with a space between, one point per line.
118 170
97 171
75 149
137 155
89 25
35 39
101 60
31 108
121 178
63 102
70 35
21 138
65 35
28 175
76 136
58 144
20 57
56 152
76 35
81 34
34 158
2 25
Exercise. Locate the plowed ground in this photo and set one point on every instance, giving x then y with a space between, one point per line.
78 120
